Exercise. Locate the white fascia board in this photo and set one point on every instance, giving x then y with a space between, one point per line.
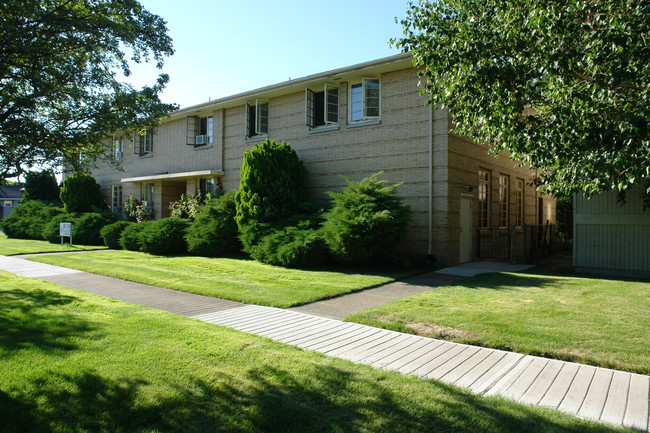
172 176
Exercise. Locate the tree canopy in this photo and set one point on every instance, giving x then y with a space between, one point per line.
60 92
562 86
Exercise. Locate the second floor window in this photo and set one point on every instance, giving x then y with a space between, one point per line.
118 148
143 144
257 118
199 130
364 100
322 108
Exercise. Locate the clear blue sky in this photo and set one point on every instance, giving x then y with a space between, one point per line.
227 47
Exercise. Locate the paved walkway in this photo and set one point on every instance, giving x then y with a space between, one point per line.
594 393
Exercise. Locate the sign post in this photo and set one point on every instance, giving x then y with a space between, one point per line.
65 230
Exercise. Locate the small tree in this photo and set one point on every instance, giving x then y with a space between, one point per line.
41 186
81 193
367 217
272 187
272 183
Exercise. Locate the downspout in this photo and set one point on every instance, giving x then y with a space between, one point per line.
430 210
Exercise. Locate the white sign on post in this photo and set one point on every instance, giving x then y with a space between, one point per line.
65 230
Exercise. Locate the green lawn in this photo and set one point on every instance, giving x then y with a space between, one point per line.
75 362
235 279
597 321
9 247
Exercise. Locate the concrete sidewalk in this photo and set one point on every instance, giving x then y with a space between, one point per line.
606 395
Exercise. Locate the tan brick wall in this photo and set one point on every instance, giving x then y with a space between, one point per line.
399 146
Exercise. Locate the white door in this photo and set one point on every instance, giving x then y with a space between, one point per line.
465 247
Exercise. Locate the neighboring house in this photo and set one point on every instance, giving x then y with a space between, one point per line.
10 197
611 237
353 122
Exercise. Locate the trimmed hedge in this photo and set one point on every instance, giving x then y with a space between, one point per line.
131 237
165 236
214 231
29 219
112 233
86 227
293 247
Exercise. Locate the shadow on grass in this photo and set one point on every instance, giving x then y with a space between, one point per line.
30 318
265 400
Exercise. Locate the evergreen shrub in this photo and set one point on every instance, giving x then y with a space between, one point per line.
81 193
165 236
292 247
272 186
366 218
112 233
28 220
86 227
131 238
50 230
214 230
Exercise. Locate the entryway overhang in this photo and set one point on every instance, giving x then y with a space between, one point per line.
174 176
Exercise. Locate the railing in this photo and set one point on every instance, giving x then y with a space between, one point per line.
519 244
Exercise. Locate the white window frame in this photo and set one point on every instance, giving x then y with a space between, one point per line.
118 148
504 200
365 106
148 197
143 144
258 125
330 106
116 198
194 130
519 202
484 177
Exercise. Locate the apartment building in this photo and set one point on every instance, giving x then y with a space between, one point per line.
353 122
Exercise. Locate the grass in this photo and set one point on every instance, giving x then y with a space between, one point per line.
75 362
598 321
10 247
235 279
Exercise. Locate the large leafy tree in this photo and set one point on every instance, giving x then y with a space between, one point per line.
60 92
561 85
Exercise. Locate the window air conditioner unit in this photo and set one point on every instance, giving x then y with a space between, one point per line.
201 139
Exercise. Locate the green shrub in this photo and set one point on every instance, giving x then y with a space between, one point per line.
366 218
112 233
28 220
165 236
41 186
214 231
272 186
86 227
296 243
81 193
50 230
293 248
131 238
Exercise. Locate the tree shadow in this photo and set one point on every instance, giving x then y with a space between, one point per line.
31 318
266 400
